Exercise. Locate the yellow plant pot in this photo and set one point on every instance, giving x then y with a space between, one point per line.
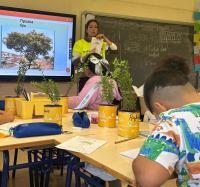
17 105
24 108
128 124
39 105
10 104
107 115
53 114
64 102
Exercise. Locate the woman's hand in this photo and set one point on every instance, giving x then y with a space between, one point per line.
92 51
100 36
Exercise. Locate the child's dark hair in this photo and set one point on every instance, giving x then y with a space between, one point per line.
91 65
172 71
175 63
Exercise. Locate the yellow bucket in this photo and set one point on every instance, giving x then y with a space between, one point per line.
17 105
53 114
24 109
10 104
64 102
107 115
128 124
39 105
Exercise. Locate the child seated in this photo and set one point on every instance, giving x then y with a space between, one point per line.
91 94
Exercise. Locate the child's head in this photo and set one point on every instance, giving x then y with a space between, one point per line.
173 62
96 64
168 85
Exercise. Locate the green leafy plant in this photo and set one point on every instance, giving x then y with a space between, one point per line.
30 46
23 68
124 80
107 88
49 87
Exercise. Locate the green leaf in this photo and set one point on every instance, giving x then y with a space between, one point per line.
122 76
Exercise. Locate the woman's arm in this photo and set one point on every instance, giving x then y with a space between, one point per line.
109 42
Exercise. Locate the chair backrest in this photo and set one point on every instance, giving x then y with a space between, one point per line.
143 107
81 83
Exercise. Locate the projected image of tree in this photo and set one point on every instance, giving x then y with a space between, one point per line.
33 47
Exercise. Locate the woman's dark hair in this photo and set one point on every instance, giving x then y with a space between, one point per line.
88 23
172 71
91 65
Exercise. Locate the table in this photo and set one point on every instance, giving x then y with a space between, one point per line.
106 157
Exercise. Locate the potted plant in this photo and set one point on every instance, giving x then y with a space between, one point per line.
17 104
128 118
53 111
29 46
23 68
107 112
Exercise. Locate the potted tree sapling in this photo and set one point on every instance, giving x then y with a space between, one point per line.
107 111
53 111
24 106
128 118
28 46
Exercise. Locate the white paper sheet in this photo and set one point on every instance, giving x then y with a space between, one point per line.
81 144
5 128
132 153
138 91
96 45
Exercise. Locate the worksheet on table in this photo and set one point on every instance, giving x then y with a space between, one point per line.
81 144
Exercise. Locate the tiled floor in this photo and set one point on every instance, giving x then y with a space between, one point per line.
22 176
22 180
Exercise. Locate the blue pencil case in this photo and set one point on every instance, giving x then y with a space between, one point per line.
80 119
36 129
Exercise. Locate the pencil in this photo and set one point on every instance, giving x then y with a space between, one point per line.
25 94
124 140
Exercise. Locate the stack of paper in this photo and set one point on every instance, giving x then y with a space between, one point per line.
81 144
5 128
132 153
145 133
96 45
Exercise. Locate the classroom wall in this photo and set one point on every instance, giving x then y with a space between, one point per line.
170 10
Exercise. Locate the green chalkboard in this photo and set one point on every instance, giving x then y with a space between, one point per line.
143 43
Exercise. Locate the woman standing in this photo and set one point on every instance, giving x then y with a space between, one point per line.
83 46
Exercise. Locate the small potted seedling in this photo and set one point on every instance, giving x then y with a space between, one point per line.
53 111
22 106
107 111
29 46
128 117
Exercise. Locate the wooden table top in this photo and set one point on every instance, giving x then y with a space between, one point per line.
107 157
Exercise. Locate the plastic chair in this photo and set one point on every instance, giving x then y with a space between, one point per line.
88 178
46 159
